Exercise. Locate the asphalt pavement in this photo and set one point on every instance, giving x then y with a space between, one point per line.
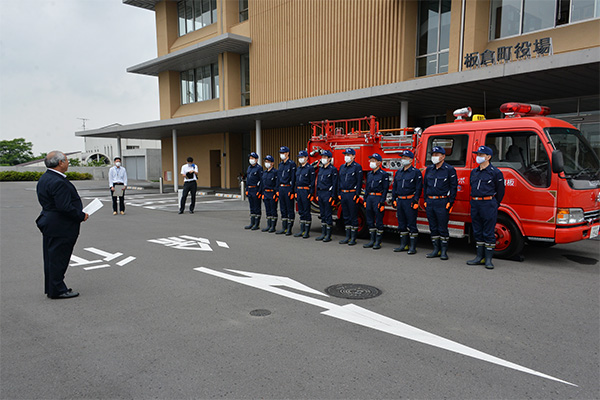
166 308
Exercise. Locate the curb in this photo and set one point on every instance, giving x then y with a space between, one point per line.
228 195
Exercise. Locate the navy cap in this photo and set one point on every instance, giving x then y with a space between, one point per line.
350 151
407 153
326 153
376 156
284 149
438 149
303 153
484 150
253 155
269 158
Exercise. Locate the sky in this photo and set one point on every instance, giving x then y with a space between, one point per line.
61 60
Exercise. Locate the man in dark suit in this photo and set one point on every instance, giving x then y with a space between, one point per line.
59 223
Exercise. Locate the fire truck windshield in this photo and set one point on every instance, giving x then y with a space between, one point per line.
581 162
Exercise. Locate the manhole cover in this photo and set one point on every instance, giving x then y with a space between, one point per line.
353 291
260 313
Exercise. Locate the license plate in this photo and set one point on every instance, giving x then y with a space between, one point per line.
594 231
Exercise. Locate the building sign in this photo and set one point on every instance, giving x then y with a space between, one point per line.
503 54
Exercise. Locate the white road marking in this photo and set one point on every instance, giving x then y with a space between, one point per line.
364 317
125 261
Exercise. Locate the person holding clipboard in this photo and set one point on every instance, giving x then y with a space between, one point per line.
117 180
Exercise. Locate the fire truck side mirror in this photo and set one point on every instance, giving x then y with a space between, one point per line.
558 164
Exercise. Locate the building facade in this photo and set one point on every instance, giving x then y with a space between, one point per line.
249 75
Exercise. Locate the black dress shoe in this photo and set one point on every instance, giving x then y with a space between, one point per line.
180 212
191 212
66 295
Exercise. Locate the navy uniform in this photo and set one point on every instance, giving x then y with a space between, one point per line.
439 191
376 188
406 190
327 182
305 185
253 179
268 187
350 179
487 191
286 183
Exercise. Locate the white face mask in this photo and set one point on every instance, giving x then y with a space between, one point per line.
435 159
480 159
302 160
252 161
405 162
324 161
268 164
373 165
282 156
118 164
347 159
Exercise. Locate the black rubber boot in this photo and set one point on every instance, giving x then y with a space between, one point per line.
347 238
266 229
306 231
327 237
372 233
403 242
479 258
489 254
284 224
323 232
256 223
436 248
302 228
378 237
252 222
353 233
413 243
288 231
444 249
273 225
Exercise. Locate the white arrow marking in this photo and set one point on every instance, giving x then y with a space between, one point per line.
364 317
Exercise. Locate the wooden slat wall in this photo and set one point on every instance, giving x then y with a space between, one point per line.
305 48
295 138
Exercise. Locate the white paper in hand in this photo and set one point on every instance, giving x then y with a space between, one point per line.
94 206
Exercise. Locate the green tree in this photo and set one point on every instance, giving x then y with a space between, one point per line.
16 151
75 162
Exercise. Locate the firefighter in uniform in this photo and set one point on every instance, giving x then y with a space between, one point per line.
267 189
305 183
406 190
350 180
439 192
286 180
378 183
487 191
253 190
326 194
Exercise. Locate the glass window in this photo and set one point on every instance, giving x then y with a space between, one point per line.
585 9
455 147
245 74
433 37
200 84
506 18
523 152
196 14
243 10
537 15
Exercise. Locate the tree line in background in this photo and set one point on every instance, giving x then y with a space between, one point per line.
19 151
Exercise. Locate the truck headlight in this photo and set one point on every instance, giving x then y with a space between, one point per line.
569 216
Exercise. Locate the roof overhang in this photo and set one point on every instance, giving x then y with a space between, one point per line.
194 56
147 4
573 74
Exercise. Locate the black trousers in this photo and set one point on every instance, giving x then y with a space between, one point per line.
188 187
121 199
57 254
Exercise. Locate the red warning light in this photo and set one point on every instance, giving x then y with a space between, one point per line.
520 109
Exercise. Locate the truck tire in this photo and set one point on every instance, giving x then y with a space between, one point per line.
509 241
363 230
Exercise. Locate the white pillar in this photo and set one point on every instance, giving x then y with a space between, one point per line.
175 163
403 114
119 153
258 149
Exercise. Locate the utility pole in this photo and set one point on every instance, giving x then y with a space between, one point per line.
83 121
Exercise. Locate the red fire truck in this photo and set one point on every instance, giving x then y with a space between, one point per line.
551 173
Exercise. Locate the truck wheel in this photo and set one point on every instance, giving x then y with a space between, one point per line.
363 231
509 241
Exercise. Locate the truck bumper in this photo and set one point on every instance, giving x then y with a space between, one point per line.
576 233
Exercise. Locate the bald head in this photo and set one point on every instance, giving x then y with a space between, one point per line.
57 160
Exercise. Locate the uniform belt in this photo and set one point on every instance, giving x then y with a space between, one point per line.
303 187
482 198
349 191
376 194
285 185
437 197
251 187
268 190
406 197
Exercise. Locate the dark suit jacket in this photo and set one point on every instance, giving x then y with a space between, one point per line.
62 212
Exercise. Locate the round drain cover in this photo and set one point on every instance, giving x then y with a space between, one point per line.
260 313
353 291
